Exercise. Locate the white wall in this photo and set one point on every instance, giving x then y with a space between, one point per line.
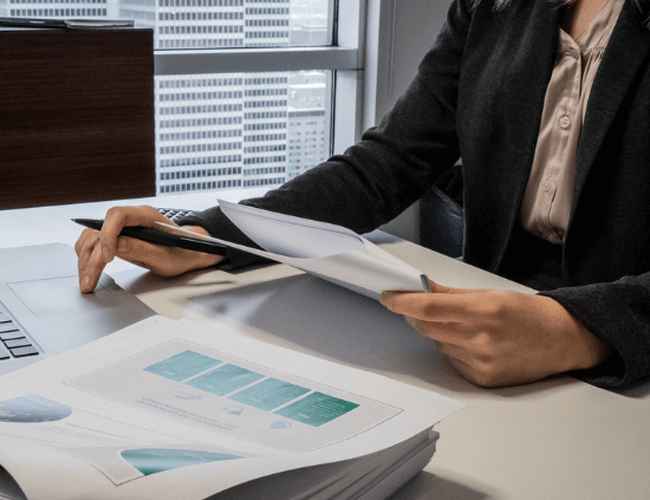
399 33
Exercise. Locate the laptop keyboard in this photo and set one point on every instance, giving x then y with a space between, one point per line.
175 214
14 342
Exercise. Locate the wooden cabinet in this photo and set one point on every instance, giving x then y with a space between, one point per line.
76 116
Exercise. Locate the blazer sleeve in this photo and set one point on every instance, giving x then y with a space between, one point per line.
619 314
393 164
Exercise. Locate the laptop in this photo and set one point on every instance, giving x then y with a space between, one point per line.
42 311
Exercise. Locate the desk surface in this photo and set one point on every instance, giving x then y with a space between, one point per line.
555 439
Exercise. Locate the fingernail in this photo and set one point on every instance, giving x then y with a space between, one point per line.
85 283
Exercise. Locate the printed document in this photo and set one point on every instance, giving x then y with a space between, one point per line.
171 409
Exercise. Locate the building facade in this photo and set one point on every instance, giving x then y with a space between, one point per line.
240 130
214 24
308 141
58 8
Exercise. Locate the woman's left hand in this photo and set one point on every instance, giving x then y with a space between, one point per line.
500 338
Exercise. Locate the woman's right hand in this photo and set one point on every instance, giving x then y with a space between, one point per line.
95 249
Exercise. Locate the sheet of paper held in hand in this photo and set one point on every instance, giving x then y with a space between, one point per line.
331 252
172 409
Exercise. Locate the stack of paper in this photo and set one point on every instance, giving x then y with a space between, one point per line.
192 410
376 476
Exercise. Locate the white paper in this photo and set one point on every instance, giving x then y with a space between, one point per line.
291 236
331 252
116 413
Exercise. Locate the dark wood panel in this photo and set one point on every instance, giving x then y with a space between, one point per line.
76 116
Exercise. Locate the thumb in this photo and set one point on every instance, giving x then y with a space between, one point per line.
439 288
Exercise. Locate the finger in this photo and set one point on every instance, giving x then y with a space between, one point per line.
482 375
476 346
439 307
93 270
440 288
82 240
453 333
118 218
466 370
457 354
147 255
87 243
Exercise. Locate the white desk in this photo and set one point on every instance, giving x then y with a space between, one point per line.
557 439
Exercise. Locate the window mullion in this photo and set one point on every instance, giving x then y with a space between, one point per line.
240 60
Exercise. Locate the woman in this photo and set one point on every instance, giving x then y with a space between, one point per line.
548 105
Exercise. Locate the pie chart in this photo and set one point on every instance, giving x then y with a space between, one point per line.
32 409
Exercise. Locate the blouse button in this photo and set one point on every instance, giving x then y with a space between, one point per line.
565 122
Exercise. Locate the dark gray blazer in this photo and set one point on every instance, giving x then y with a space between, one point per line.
479 95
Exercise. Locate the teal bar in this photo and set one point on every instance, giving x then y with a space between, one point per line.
183 365
153 460
225 379
317 409
270 394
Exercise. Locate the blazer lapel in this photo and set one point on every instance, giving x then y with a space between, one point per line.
532 65
628 48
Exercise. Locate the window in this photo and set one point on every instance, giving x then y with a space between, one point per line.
240 130
246 90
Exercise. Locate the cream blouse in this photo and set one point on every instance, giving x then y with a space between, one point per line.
548 199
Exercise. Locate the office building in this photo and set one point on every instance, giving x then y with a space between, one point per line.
267 23
189 24
186 24
310 22
265 128
199 121
308 139
240 130
221 131
58 8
